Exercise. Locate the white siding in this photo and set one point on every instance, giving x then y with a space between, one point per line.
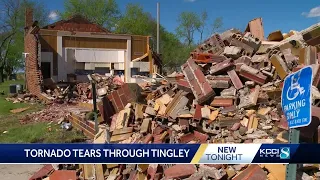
99 56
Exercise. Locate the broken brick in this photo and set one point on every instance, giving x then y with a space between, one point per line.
280 65
253 172
252 74
201 137
251 99
180 171
221 67
147 138
197 114
145 125
219 101
197 81
235 79
187 138
219 84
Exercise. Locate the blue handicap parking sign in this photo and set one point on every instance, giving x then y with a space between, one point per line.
296 98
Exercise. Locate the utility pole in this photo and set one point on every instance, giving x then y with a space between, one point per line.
158 28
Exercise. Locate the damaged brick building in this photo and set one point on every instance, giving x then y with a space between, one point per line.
70 49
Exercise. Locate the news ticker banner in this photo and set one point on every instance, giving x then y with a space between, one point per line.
158 153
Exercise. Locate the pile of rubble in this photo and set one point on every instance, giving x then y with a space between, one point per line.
23 98
52 112
230 93
82 91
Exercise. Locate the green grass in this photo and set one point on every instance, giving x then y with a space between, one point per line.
5 85
36 133
6 106
42 132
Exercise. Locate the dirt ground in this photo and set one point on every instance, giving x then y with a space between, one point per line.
18 171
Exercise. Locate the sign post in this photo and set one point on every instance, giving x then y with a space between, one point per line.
296 105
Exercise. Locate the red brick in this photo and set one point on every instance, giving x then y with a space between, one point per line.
222 102
235 79
180 171
212 45
197 81
184 123
158 130
33 72
220 67
201 137
43 172
187 138
283 124
217 166
220 78
258 78
207 57
184 85
152 170
147 138
197 115
253 172
133 175
63 175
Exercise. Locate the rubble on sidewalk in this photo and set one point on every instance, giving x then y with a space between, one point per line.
229 94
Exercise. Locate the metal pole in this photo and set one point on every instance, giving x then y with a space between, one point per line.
158 28
294 135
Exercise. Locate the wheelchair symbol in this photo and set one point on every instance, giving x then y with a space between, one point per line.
295 89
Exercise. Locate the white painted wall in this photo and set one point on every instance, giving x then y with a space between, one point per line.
100 56
142 66
61 62
127 75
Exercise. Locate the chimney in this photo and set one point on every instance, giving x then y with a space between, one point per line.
29 17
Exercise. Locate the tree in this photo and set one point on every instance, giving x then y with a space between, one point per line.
189 22
136 21
217 25
103 12
203 23
12 23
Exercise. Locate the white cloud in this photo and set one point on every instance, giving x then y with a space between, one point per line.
314 12
53 15
190 0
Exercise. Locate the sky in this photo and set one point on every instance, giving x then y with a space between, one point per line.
284 15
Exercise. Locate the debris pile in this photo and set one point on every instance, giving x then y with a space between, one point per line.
23 98
52 112
82 91
230 93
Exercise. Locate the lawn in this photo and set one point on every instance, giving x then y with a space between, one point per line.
6 106
11 131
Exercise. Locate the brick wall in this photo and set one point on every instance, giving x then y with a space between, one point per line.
33 73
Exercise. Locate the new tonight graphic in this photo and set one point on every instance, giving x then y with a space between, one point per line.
158 153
